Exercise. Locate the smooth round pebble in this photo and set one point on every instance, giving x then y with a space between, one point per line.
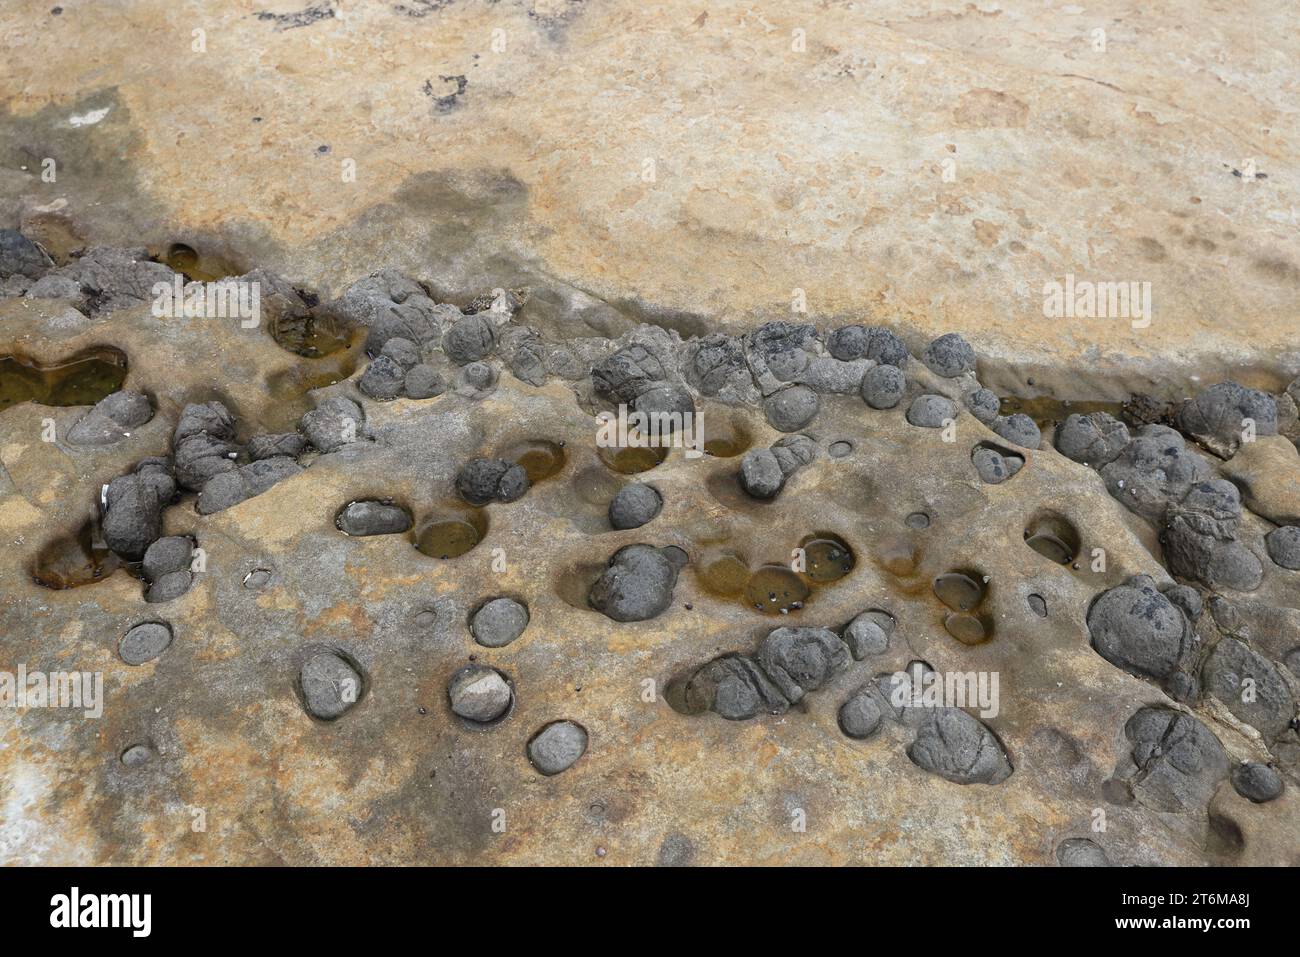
330 685
949 356
144 642
1283 546
479 693
1257 782
634 505
557 746
791 409
860 716
499 622
931 411
883 386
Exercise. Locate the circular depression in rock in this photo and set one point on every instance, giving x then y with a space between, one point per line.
451 534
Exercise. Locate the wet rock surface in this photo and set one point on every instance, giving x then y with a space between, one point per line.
251 446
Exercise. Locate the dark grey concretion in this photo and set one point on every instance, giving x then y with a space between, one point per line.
670 407
203 445
718 366
931 411
799 660
1138 629
793 452
145 642
1154 469
992 466
1250 686
475 379
137 755
402 351
334 423
1283 546
110 277
423 382
1038 605
983 404
624 374
469 339
1095 439
169 587
384 379
883 386
498 622
228 489
958 748
1217 416
868 633
792 408
734 687
860 716
1081 852
167 555
111 419
53 287
491 480
133 518
760 473
557 746
831 376
289 444
949 356
634 505
479 693
19 256
848 343
779 352
1019 429
525 354
372 518
886 348
637 584
1179 762
1257 782
1187 598
1200 538
330 685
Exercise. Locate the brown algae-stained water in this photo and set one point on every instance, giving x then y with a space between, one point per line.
448 537
73 560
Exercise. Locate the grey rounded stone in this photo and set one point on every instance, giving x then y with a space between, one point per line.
499 622
885 347
137 755
883 386
19 256
984 404
557 746
469 339
990 465
402 351
144 642
670 407
760 473
477 377
486 480
424 382
1138 629
634 505
848 343
479 693
1257 782
949 356
1018 428
1283 546
789 410
111 419
1095 439
1038 605
931 411
384 379
172 553
638 583
1081 852
330 685
860 716
868 634
372 518
169 587
959 748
